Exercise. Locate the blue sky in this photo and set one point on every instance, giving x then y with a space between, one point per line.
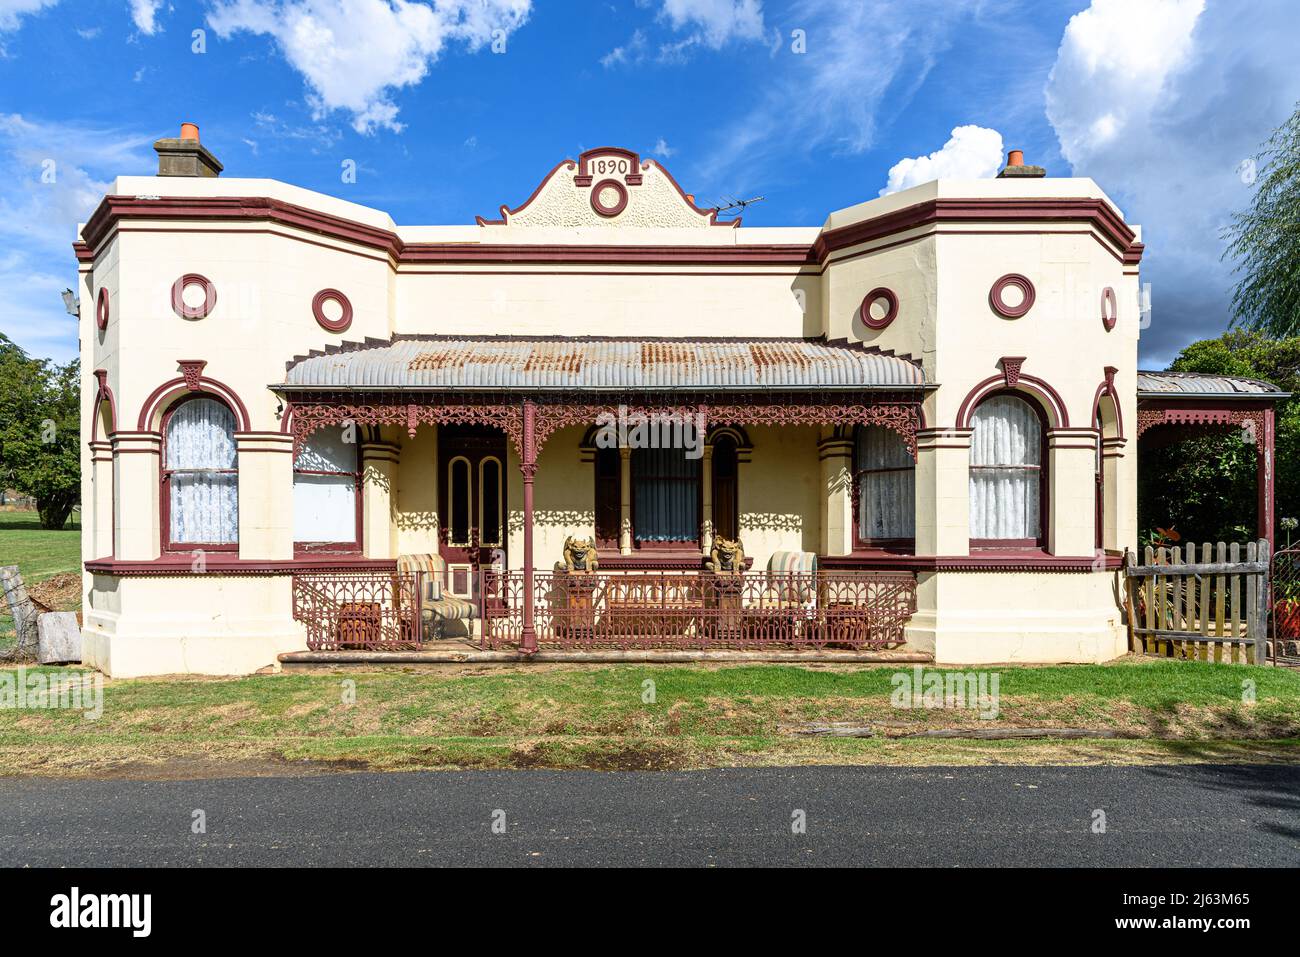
450 108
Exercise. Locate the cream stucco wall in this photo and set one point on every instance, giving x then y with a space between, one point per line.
792 495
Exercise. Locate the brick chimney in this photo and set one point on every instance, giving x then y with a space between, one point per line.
186 156
1016 168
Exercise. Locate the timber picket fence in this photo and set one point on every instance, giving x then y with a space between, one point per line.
1206 602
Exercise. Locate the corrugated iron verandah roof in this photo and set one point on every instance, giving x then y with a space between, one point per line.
594 364
1204 385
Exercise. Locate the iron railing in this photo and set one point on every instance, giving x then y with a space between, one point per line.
371 611
695 610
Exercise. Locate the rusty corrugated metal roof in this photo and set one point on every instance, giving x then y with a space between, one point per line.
1157 384
508 363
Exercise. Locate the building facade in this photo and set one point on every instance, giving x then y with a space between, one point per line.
939 384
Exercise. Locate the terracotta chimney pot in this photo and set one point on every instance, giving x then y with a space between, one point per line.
1014 157
190 131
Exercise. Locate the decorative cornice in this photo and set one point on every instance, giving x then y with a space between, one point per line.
1041 212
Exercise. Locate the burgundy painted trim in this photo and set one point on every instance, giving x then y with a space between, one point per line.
1096 212
632 177
864 311
765 254
1027 560
210 386
1107 387
260 208
179 565
102 309
1022 283
102 392
1038 388
609 212
318 310
178 296
1109 308
711 212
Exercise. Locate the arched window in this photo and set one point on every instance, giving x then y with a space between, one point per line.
609 497
326 503
1006 473
885 489
726 504
491 502
200 480
458 495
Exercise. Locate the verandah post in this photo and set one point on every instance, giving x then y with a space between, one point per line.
528 465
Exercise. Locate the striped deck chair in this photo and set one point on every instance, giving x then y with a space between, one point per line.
437 606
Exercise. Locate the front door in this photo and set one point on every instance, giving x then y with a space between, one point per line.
472 502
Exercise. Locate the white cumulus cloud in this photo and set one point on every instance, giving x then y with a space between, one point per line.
12 11
972 152
144 14
1160 103
353 54
716 22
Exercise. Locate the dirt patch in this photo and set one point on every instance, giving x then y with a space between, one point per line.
60 593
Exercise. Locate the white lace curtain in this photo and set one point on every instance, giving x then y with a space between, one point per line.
325 489
886 485
1006 461
201 459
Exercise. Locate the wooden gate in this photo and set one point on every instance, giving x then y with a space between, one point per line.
1211 607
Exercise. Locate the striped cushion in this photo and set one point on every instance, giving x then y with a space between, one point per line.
784 564
435 572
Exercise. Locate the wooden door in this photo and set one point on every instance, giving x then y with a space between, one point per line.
471 502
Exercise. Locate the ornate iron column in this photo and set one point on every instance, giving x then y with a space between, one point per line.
528 465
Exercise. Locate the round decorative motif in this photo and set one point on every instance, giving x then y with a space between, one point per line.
609 198
101 309
1109 308
318 310
998 302
178 296
879 296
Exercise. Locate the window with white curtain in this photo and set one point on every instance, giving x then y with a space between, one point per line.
885 473
199 469
665 496
1006 471
325 489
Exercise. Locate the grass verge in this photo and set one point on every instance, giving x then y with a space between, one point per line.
626 718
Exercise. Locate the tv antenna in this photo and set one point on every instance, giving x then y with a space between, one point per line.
738 204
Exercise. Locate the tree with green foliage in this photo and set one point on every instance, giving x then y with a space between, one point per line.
40 408
1204 485
1265 240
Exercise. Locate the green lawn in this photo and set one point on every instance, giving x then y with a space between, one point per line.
38 553
567 717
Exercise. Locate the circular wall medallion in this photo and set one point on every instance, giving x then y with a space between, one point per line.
1012 296
344 318
609 198
186 311
101 309
1109 308
879 308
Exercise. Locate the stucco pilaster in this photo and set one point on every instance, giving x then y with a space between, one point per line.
379 462
836 457
136 464
1072 483
943 492
265 494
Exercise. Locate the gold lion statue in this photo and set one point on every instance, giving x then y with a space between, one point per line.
579 555
727 557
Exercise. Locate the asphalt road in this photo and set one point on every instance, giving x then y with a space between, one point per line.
897 817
